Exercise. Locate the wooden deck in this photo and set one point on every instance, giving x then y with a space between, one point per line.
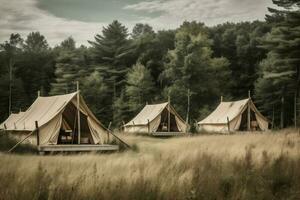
168 134
77 148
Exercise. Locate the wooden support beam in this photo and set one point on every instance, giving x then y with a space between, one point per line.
169 114
148 125
109 125
295 110
228 125
127 145
282 113
248 117
78 113
37 134
27 136
5 127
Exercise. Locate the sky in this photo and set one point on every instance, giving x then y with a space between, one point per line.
82 19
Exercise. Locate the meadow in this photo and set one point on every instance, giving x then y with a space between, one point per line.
237 166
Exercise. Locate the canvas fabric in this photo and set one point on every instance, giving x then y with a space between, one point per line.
232 112
152 114
47 111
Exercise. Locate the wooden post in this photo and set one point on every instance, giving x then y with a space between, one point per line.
188 106
15 125
282 113
273 117
10 85
37 134
39 93
5 127
295 110
78 112
249 112
228 125
169 115
221 98
109 125
148 126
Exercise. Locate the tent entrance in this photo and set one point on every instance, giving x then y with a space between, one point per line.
69 129
163 126
253 121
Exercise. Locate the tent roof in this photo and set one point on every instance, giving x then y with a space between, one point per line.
13 117
225 109
42 110
149 112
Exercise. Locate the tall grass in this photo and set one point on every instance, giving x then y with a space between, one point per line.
251 166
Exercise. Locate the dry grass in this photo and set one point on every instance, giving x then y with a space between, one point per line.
248 166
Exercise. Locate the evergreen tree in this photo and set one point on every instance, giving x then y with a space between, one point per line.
96 94
12 96
113 55
280 72
36 66
71 66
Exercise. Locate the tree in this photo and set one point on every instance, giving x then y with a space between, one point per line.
10 51
140 30
113 56
96 93
240 44
71 65
190 67
140 87
36 66
280 72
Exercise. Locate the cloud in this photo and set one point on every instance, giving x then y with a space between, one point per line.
211 12
23 17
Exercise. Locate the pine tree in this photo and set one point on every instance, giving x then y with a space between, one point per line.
280 72
71 66
112 55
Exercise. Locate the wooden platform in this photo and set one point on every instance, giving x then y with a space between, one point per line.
166 134
77 148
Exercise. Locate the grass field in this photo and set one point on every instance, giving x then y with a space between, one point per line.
239 166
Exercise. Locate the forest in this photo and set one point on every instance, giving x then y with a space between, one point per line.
121 70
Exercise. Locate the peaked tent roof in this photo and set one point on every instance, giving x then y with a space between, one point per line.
229 109
150 112
9 122
43 110
48 112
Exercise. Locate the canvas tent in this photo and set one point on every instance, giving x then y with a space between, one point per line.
234 116
156 118
56 117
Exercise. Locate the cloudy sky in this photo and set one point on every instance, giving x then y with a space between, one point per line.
82 19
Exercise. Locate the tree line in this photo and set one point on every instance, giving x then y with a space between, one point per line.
121 70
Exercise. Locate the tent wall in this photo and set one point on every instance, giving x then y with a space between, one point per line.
217 120
55 113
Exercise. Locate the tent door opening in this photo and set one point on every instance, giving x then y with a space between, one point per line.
69 130
163 126
253 121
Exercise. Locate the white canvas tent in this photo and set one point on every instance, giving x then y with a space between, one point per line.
156 118
56 115
234 116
